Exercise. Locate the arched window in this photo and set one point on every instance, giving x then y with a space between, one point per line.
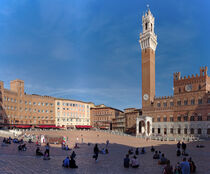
179 131
185 118
151 27
192 118
171 130
191 131
185 131
199 87
146 26
199 131
165 131
199 117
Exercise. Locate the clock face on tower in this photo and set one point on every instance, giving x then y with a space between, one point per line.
146 97
188 88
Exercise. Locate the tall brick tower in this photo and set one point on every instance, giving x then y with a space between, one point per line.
148 42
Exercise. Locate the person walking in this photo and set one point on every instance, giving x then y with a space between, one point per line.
96 151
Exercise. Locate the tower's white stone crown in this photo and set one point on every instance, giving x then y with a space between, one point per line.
148 39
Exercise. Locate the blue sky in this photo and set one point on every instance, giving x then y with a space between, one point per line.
88 49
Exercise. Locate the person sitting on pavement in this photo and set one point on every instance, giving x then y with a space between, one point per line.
73 155
67 147
185 166
126 161
192 165
178 152
24 147
134 162
72 163
143 151
152 149
38 152
15 140
200 146
103 151
156 155
66 162
20 147
162 160
168 169
76 146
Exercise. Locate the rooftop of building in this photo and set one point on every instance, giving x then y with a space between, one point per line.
63 99
106 107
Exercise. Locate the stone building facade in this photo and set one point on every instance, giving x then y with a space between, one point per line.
102 116
131 115
71 113
118 123
187 112
19 108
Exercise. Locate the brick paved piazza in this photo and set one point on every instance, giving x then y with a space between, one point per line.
14 162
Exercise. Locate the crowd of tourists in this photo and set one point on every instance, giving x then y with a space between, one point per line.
185 166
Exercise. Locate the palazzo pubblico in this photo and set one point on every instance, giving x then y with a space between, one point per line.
185 114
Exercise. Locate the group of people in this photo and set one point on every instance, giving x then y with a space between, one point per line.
15 140
69 162
133 162
96 150
183 146
46 154
22 147
7 140
65 147
185 167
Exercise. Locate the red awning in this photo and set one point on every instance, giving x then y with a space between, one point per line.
83 126
49 126
46 126
22 126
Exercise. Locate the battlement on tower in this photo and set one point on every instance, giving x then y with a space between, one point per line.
163 97
203 74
